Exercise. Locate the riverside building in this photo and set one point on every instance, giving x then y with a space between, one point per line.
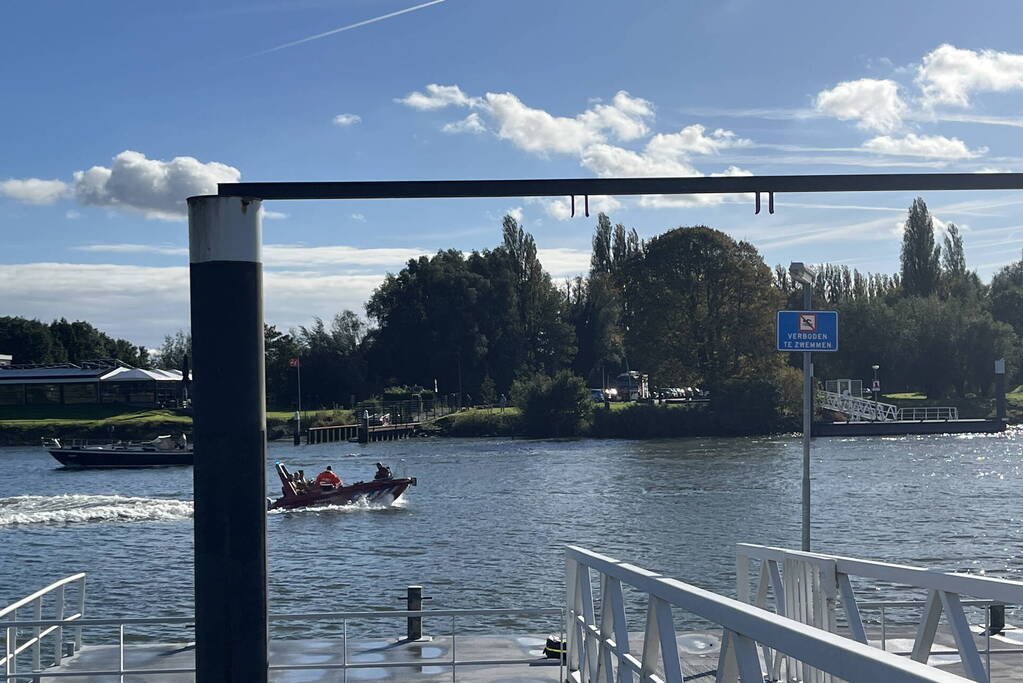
90 382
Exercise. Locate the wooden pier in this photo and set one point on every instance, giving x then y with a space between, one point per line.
335 433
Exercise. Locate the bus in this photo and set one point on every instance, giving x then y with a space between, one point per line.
633 386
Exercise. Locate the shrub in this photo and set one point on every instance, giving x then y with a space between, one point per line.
558 406
748 405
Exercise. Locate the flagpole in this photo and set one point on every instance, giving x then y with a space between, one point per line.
299 368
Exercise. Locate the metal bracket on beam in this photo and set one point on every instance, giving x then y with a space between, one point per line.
770 203
586 206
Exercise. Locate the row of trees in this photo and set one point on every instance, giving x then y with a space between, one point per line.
933 327
689 307
32 341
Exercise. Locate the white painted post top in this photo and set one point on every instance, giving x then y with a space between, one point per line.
224 229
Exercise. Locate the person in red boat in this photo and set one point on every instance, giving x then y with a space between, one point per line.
327 478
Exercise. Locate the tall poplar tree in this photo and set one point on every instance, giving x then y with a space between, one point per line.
920 256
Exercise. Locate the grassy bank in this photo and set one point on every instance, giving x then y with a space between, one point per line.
622 421
972 407
481 422
27 425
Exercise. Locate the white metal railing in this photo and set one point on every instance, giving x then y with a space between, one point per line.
857 408
12 626
599 647
935 413
338 617
809 587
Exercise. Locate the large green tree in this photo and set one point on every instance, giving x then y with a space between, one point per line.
703 308
460 320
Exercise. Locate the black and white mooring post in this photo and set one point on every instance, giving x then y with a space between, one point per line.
414 625
229 475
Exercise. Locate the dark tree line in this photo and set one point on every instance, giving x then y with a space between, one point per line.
32 341
689 307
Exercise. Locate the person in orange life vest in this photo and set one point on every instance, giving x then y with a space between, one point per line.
328 478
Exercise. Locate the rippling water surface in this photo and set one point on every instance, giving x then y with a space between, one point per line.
490 517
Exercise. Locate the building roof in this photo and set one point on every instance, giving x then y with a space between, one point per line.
139 375
14 373
70 373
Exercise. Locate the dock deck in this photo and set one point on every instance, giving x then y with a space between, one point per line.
697 650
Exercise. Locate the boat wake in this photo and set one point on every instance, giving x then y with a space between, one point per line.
83 508
361 505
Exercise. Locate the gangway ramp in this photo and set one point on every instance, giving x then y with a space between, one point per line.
859 409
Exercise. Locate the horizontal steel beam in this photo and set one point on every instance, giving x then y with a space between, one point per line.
553 187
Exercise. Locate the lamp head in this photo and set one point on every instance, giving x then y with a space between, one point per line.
801 272
875 367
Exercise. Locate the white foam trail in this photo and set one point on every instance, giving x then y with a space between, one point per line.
83 508
360 505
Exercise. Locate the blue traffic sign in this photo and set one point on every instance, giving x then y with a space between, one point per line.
807 331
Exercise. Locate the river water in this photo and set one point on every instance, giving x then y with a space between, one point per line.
489 519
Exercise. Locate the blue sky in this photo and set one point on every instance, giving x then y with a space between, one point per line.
114 112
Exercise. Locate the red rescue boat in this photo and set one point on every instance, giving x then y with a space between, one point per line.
300 492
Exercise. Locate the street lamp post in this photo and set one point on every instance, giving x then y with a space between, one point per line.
804 274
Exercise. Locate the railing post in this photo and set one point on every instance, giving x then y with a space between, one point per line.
120 652
37 648
454 657
10 645
58 654
742 576
571 639
81 613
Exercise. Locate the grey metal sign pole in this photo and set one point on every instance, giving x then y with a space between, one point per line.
807 422
229 427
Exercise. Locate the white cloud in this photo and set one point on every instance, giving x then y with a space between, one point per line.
691 140
949 75
296 255
272 215
874 104
34 190
564 262
624 117
665 201
515 212
924 146
358 217
436 97
535 130
157 188
129 248
470 124
346 119
611 161
538 131
561 208
143 303
284 255
71 214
